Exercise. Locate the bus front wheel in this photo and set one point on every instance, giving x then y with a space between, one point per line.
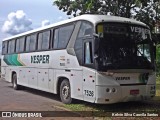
65 92
14 82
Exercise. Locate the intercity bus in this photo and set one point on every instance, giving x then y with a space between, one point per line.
95 58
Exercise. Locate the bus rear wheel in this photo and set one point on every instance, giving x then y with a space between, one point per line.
65 92
14 82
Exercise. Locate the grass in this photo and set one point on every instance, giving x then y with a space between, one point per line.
158 80
158 90
158 86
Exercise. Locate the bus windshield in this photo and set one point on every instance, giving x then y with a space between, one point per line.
124 46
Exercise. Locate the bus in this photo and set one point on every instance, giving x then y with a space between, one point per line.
95 58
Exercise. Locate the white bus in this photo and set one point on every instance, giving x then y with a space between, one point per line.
96 58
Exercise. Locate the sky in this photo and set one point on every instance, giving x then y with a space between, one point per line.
17 16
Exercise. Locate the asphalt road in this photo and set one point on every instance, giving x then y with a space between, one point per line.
30 100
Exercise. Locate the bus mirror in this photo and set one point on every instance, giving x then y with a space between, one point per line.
96 35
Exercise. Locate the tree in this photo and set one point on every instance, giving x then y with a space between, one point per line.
78 7
149 14
143 10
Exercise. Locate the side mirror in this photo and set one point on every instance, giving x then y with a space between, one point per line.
96 35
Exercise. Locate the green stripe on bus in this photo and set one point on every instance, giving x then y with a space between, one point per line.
11 60
15 59
6 60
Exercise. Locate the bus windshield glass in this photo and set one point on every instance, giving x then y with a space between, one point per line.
124 46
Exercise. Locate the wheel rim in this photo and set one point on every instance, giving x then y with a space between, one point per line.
65 92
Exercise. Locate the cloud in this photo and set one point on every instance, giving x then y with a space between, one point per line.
45 22
17 23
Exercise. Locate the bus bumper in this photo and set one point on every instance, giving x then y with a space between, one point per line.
114 94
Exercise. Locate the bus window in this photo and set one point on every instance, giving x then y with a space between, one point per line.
86 29
17 45
43 40
78 49
88 53
55 45
40 37
11 46
27 43
144 51
64 34
4 47
22 42
33 39
46 40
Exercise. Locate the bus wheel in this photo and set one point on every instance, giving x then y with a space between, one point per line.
14 82
65 92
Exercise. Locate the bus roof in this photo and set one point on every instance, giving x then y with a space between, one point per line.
88 17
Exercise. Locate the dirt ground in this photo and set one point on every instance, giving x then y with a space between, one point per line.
31 100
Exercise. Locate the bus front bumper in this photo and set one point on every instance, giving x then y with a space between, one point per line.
115 94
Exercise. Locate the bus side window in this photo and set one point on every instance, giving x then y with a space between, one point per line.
86 29
11 46
27 43
55 41
40 37
22 42
33 40
64 36
88 53
17 45
4 47
46 40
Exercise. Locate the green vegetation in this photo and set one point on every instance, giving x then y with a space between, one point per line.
158 86
147 11
158 80
158 62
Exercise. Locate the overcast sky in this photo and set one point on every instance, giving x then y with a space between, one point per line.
17 16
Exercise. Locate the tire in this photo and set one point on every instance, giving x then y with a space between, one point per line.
65 92
14 82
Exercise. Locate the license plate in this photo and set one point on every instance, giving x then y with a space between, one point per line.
134 92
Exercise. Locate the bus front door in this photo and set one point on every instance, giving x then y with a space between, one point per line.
89 75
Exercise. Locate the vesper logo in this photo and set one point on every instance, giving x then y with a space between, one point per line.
122 78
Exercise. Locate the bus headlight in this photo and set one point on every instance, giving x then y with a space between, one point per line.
113 90
108 90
